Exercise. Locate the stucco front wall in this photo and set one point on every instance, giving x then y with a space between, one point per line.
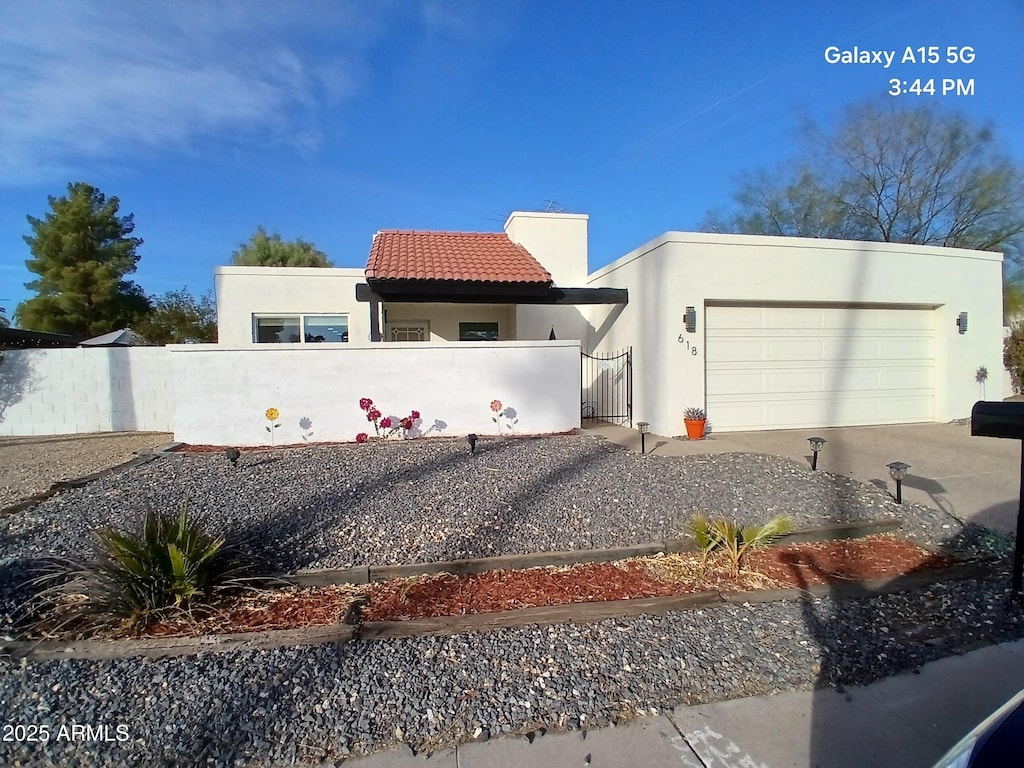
221 394
678 270
245 291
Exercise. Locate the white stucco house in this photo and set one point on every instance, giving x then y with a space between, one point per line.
763 332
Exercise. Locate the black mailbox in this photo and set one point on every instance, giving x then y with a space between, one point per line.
1005 420
998 420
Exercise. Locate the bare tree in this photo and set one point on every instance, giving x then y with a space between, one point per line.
906 175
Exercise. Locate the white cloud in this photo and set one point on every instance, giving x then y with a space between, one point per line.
99 80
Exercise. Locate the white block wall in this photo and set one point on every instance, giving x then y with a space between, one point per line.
221 395
66 391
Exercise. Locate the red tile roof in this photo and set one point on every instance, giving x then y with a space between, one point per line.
469 256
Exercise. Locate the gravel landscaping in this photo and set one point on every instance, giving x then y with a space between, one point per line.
427 500
30 465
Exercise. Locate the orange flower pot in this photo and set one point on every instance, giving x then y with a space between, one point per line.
695 428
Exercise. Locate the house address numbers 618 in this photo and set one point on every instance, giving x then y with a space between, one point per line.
690 326
691 348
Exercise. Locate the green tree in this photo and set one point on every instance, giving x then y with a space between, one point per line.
4 322
265 250
1013 300
903 175
82 251
178 317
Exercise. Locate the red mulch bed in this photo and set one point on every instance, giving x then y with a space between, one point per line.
796 565
874 557
291 608
447 595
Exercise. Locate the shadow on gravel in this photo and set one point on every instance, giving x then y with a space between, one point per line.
14 575
301 534
862 636
520 509
289 538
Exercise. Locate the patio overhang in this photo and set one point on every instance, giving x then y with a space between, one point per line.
474 292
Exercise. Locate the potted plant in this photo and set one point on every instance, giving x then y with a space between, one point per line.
695 420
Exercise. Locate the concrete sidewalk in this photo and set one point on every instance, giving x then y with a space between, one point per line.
976 479
908 720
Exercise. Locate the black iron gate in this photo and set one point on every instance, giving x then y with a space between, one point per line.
607 386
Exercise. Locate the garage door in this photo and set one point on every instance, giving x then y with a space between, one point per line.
779 367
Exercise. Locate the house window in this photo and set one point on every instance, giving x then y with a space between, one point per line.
321 328
478 331
277 330
299 329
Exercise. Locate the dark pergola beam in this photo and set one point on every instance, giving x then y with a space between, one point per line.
460 294
589 295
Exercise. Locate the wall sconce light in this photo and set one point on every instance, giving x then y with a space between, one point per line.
961 323
898 471
471 439
816 445
690 319
643 426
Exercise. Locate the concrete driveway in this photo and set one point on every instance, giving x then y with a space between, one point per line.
975 478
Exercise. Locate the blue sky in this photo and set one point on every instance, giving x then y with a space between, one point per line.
331 120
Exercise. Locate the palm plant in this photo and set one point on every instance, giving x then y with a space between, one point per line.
736 541
700 527
170 563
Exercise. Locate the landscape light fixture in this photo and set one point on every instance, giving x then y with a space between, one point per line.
816 445
471 439
898 471
232 454
643 426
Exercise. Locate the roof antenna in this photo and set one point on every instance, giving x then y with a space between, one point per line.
502 220
553 206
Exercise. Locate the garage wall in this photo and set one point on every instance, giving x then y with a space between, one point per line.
678 269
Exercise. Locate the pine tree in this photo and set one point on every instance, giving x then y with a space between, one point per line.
82 251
